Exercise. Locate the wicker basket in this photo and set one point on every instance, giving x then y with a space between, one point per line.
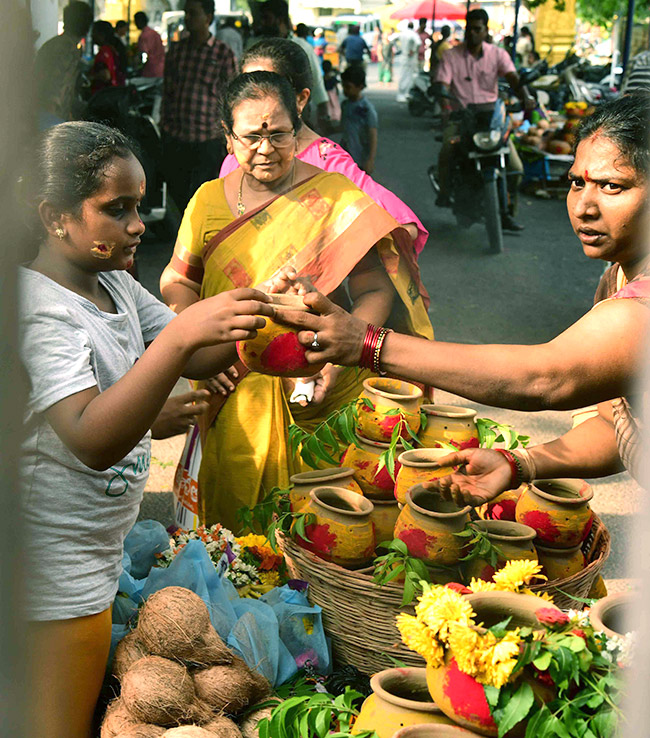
359 616
596 548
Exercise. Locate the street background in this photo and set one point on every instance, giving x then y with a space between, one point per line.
537 287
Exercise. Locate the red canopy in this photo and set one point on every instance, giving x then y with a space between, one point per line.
424 9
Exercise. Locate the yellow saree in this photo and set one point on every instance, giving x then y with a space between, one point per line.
322 227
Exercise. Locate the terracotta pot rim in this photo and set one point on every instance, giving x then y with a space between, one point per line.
526 533
577 500
604 606
392 501
406 460
528 603
403 674
461 511
288 302
448 411
377 444
318 475
549 550
414 392
356 500
433 730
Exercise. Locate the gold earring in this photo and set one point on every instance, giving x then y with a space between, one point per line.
60 233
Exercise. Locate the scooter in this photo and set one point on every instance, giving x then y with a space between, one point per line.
478 169
422 98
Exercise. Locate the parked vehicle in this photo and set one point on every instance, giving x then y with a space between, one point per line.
422 98
368 26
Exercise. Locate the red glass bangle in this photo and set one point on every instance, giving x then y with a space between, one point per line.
515 471
369 343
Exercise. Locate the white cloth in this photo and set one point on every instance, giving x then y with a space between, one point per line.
76 518
408 42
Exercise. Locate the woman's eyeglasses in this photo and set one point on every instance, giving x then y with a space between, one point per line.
279 139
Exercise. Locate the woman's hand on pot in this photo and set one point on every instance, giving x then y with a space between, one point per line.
287 281
340 335
483 474
222 383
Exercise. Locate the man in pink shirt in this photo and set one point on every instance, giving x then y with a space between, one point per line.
150 44
471 72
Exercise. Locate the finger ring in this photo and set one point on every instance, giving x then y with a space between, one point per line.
314 344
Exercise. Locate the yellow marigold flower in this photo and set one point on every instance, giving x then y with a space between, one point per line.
462 642
439 607
270 577
544 595
480 585
420 639
252 540
497 661
516 574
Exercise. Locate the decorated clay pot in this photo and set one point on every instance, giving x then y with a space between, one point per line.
364 459
304 482
449 424
399 698
502 507
514 541
427 525
459 695
617 614
384 516
342 531
558 509
386 401
598 589
433 731
418 466
275 349
559 563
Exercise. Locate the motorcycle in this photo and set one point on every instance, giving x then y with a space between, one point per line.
129 109
421 97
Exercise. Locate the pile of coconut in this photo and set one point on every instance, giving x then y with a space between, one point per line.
179 679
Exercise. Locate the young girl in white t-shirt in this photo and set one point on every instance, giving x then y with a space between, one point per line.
102 355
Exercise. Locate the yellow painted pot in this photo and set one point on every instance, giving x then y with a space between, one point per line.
434 731
598 589
304 482
559 563
391 399
364 459
502 507
342 531
384 516
450 424
419 466
558 509
459 695
275 349
427 525
514 541
399 698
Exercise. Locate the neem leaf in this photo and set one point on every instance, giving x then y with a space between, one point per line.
515 709
499 629
543 661
492 694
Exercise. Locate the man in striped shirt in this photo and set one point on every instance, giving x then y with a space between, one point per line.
637 76
197 69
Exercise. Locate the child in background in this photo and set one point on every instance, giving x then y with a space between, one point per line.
359 120
101 355
331 81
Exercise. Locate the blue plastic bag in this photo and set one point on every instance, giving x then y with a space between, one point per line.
143 542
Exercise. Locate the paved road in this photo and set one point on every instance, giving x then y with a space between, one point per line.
537 287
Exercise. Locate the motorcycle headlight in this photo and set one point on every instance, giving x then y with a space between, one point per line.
486 139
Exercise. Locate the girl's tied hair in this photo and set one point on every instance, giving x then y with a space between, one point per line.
69 165
287 59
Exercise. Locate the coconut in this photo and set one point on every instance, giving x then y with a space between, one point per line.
230 688
128 651
249 725
190 731
223 727
116 720
142 730
159 691
175 623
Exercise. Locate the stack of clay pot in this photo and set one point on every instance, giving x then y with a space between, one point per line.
558 512
178 678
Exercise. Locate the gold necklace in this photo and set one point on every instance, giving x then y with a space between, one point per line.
241 208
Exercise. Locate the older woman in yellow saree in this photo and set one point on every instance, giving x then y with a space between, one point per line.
280 222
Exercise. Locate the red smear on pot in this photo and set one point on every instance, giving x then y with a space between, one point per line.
487 572
383 479
417 541
467 696
542 523
472 443
362 464
284 353
504 510
321 540
587 528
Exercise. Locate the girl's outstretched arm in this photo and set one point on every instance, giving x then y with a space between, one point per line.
100 428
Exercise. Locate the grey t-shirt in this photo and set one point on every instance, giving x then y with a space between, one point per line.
76 518
357 118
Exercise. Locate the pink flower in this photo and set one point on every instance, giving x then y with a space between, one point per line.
460 588
551 616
